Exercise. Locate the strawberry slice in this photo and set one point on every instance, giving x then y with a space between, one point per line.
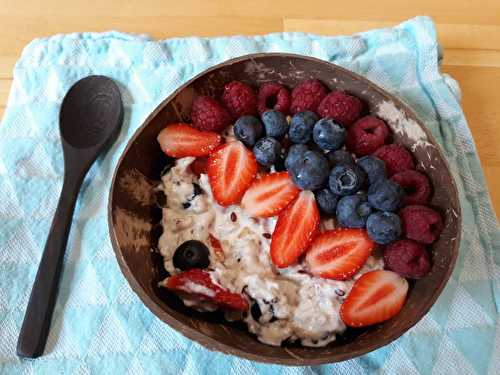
199 165
270 194
231 169
196 282
340 253
375 297
296 227
181 140
215 243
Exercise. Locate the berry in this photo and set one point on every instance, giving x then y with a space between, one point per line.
239 99
338 254
346 179
301 127
248 129
310 171
326 200
307 95
181 140
342 107
269 194
396 158
199 166
339 157
208 114
421 223
275 123
366 135
297 225
416 186
374 168
273 96
375 297
352 211
328 135
217 247
295 152
231 169
383 227
199 284
279 165
267 151
408 258
385 195
191 254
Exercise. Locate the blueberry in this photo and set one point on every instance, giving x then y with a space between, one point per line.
339 157
327 201
383 227
329 135
385 195
267 151
374 168
294 153
301 127
248 129
191 254
256 311
274 123
310 171
346 179
353 210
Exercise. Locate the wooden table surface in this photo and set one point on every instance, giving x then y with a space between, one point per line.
469 32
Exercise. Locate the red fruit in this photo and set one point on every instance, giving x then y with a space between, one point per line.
273 96
239 99
366 135
408 258
342 107
421 223
416 185
297 225
231 169
181 140
374 298
307 95
198 283
215 243
269 194
208 114
396 158
340 253
199 165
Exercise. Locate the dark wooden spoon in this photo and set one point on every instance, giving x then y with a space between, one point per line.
90 119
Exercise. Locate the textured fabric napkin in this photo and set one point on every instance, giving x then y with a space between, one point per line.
99 325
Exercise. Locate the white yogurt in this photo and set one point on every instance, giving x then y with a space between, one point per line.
294 305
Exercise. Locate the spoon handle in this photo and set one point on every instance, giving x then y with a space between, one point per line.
36 324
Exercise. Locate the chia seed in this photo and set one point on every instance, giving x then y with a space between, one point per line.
266 235
233 217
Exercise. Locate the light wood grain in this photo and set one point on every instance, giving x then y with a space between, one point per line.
468 30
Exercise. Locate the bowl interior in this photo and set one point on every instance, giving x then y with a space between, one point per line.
134 214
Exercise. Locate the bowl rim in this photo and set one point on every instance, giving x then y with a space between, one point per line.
293 360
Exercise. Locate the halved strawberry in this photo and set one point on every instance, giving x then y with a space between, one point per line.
375 297
196 282
231 169
340 253
296 227
181 140
269 194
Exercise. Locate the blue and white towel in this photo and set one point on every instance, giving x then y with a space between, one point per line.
99 325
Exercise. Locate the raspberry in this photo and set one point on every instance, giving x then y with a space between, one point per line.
408 258
208 114
421 223
239 99
396 158
273 96
307 96
366 135
341 107
416 185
